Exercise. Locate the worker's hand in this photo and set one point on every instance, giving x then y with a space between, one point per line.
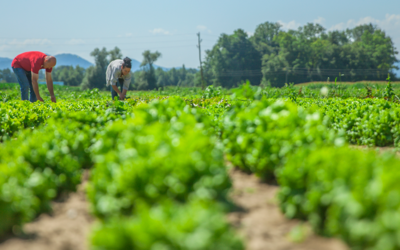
121 96
40 99
53 98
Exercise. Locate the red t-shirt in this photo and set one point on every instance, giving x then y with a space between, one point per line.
30 61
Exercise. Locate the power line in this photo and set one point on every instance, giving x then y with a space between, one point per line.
85 43
130 49
107 37
303 71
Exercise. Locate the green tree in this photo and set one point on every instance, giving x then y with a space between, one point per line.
183 77
161 76
309 54
69 75
232 60
6 75
264 37
115 54
147 77
95 76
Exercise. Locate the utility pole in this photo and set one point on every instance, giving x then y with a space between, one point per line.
201 65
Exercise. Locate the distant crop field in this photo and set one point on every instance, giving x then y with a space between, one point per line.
346 83
159 163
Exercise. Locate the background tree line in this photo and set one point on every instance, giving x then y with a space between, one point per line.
180 77
275 57
148 78
68 74
271 56
7 75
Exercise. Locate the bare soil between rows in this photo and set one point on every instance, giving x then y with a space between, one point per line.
383 150
259 221
66 228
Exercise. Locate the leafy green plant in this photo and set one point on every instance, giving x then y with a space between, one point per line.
172 226
389 93
212 91
32 173
155 161
344 193
258 138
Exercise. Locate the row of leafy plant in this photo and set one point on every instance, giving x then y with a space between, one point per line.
162 158
366 121
373 122
41 164
370 121
19 115
159 182
342 192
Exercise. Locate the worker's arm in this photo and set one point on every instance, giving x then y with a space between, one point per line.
118 92
127 81
49 82
35 85
123 94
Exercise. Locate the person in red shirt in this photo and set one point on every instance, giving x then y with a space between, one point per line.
26 67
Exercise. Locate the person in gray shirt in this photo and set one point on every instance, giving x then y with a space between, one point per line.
119 73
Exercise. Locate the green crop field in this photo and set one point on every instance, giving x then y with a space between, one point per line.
158 161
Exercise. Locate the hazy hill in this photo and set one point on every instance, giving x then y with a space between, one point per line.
5 63
72 60
62 60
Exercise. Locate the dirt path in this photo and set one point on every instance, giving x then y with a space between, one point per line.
263 225
260 222
382 150
66 228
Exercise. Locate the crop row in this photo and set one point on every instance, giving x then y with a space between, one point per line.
41 164
364 121
147 165
370 122
151 160
343 192
16 115
373 122
159 182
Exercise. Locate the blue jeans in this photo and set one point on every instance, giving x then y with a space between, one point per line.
25 82
113 92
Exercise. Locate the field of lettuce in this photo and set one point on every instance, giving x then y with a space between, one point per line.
158 161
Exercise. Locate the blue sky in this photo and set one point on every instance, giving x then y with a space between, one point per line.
170 26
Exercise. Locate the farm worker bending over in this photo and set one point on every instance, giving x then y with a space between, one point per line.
26 67
119 73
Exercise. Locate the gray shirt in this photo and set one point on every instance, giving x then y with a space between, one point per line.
114 72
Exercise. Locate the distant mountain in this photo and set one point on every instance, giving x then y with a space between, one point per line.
62 60
72 60
135 65
165 69
5 63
